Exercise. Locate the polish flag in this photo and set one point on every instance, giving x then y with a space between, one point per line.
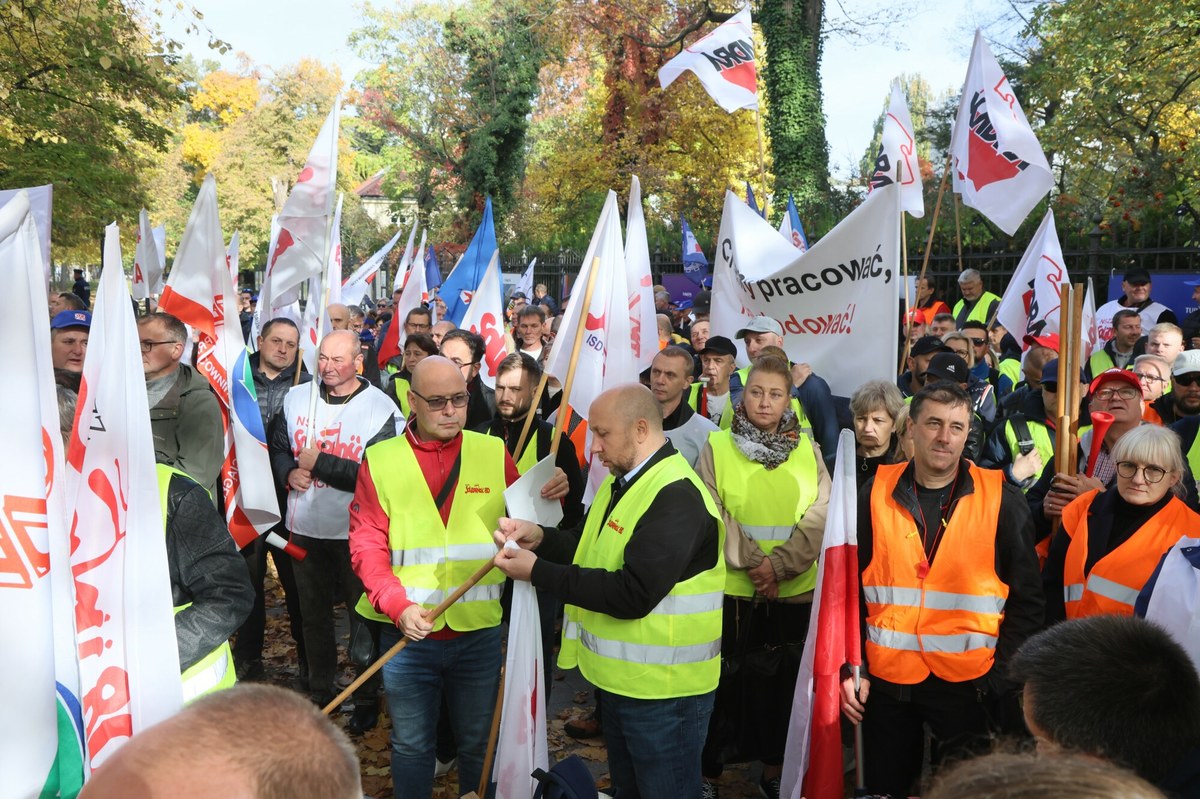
485 316
723 61
405 258
812 765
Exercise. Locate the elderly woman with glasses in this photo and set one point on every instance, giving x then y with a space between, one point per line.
1111 540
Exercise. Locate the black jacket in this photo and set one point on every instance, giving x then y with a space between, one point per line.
996 453
1016 561
271 391
482 405
206 570
675 539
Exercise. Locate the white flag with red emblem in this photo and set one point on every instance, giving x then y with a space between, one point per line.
643 321
897 160
358 285
202 288
1030 306
42 753
723 61
303 242
406 258
485 316
999 167
232 253
128 659
521 746
1089 335
147 266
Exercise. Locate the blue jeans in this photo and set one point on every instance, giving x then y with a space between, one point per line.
467 669
654 744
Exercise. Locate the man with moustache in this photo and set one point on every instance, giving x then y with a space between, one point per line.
711 396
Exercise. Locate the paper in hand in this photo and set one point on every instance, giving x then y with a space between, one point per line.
524 497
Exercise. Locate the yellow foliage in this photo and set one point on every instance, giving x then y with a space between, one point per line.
201 146
225 95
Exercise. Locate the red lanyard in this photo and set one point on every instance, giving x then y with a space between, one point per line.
923 563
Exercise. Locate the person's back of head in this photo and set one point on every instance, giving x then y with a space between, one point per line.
1114 687
1029 776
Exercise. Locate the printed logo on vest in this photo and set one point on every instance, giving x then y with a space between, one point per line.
474 489
620 530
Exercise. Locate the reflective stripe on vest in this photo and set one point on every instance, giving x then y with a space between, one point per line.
1116 579
946 623
430 558
978 312
214 671
675 649
766 503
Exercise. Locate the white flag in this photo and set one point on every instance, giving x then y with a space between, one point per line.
485 316
1031 303
643 321
1089 335
128 659
898 153
522 740
358 285
232 253
41 206
999 167
43 749
147 265
525 284
406 258
333 273
723 61
303 241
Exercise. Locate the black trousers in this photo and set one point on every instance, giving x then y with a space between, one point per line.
959 719
248 646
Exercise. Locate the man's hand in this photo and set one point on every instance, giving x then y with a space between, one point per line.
763 577
556 487
413 623
515 562
1027 465
526 534
853 706
308 458
800 373
1063 489
299 479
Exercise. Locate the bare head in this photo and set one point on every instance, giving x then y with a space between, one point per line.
626 427
338 361
339 316
438 397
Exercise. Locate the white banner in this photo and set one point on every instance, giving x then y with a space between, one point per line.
147 266
999 167
723 61
128 660
838 303
357 286
1031 302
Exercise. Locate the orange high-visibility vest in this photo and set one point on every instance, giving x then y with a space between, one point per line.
1115 581
946 624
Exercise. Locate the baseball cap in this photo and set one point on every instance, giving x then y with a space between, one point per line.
1122 375
948 366
927 345
916 316
1192 283
518 295
761 324
71 319
1137 277
702 301
1047 340
1186 362
1050 373
718 345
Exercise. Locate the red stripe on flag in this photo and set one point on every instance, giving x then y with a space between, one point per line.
187 311
390 346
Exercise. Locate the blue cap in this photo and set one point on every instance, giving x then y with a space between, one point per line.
71 319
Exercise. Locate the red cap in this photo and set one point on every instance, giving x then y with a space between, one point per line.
916 316
1048 340
1108 375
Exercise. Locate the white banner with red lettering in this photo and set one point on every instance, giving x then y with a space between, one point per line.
128 660
999 167
723 61
42 754
838 303
485 316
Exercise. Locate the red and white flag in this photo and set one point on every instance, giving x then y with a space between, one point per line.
358 285
723 61
232 253
999 167
897 160
521 744
812 763
303 242
414 294
147 265
406 258
643 321
1089 333
128 659
485 316
43 750
1030 306
201 287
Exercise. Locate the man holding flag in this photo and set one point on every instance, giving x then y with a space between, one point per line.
950 590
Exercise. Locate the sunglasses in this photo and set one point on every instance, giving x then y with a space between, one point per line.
978 342
1188 379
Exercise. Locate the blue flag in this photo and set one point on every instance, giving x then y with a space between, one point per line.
750 201
433 272
695 265
791 227
461 284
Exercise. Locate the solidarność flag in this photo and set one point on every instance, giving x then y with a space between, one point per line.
723 61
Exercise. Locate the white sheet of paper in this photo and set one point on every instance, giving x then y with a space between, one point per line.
524 497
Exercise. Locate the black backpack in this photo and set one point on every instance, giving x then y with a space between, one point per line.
567 779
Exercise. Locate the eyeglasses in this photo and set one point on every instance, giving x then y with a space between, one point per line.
1188 379
461 364
1146 377
1153 474
149 345
978 342
437 403
1125 393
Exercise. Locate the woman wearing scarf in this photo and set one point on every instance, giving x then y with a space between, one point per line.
771 486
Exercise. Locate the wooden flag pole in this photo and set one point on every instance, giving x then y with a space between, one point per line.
533 406
1067 370
762 162
489 757
908 309
564 405
433 615
958 232
937 208
1076 345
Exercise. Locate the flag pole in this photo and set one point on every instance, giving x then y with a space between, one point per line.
1066 363
489 757
904 274
860 776
533 406
762 162
568 384
958 232
937 207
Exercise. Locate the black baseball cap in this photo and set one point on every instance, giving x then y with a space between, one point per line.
947 366
927 345
1137 277
702 301
718 345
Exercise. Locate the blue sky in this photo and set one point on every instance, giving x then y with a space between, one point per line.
934 39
